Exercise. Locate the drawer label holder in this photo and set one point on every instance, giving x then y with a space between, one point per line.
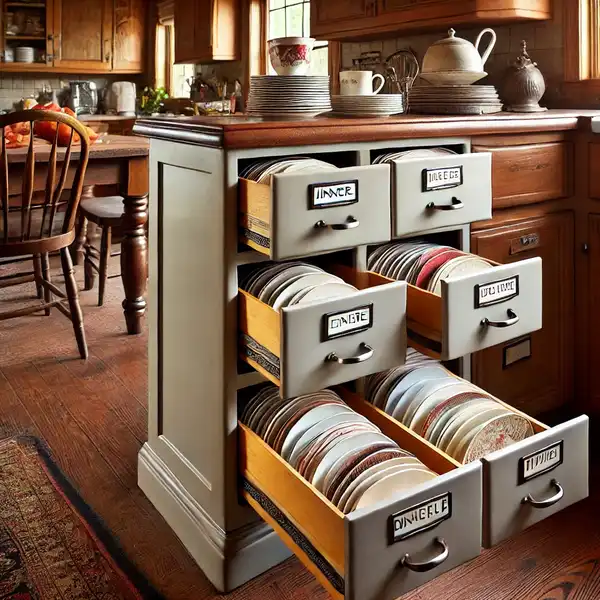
347 322
442 178
540 462
328 195
487 294
420 517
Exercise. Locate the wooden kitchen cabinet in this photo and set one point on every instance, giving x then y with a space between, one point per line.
83 35
535 373
347 20
87 36
206 30
130 39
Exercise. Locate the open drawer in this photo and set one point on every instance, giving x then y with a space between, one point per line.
526 482
476 311
308 347
306 213
535 478
376 553
433 193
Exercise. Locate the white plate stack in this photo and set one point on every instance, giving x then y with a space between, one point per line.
24 54
376 105
455 100
288 97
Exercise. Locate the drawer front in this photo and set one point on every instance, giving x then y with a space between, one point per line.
433 193
324 211
530 173
551 466
490 308
446 509
366 330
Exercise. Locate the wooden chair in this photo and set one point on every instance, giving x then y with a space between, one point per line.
105 212
36 229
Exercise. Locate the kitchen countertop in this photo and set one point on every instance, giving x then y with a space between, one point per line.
85 118
238 132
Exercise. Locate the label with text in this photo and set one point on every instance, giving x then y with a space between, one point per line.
420 517
339 193
487 294
442 178
347 322
537 463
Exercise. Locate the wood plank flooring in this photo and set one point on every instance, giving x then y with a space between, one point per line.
92 416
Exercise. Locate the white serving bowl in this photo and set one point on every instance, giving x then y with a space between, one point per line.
291 55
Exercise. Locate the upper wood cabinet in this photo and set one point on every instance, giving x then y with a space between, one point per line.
206 30
83 34
130 39
348 20
88 36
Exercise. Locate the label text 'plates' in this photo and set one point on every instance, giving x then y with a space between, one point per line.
487 294
420 517
537 463
442 178
339 193
347 322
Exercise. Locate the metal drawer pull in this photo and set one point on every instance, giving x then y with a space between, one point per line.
367 353
513 319
423 567
560 492
351 223
456 205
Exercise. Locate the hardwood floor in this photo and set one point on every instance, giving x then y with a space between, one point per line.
92 416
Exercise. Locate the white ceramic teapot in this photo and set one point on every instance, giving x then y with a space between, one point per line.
455 61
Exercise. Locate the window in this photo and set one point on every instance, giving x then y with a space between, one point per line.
291 18
169 75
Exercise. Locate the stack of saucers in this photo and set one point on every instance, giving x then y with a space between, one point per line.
338 451
375 105
409 154
286 284
423 264
263 170
290 97
460 419
455 100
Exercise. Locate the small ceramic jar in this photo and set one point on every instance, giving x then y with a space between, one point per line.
523 85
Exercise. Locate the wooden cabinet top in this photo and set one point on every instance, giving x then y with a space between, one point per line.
240 132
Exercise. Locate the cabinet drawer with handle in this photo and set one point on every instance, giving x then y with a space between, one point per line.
476 311
532 479
379 552
307 347
433 193
301 214
524 482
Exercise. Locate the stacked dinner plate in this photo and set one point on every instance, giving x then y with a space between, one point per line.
341 453
263 170
290 97
418 153
452 414
423 264
375 105
455 100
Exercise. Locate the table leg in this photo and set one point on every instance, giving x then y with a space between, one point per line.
134 260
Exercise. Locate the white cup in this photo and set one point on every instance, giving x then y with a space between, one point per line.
359 83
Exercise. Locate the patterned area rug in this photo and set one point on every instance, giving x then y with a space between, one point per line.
52 547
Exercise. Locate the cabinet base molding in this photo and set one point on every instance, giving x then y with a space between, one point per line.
228 558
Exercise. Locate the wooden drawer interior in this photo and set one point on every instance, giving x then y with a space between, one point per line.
255 215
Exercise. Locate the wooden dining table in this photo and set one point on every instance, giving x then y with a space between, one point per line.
114 160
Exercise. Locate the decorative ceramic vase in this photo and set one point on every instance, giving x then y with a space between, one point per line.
523 85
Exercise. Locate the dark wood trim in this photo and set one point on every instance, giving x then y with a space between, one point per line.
244 132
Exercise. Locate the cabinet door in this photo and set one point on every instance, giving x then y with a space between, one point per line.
534 373
130 24
83 34
325 11
593 315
